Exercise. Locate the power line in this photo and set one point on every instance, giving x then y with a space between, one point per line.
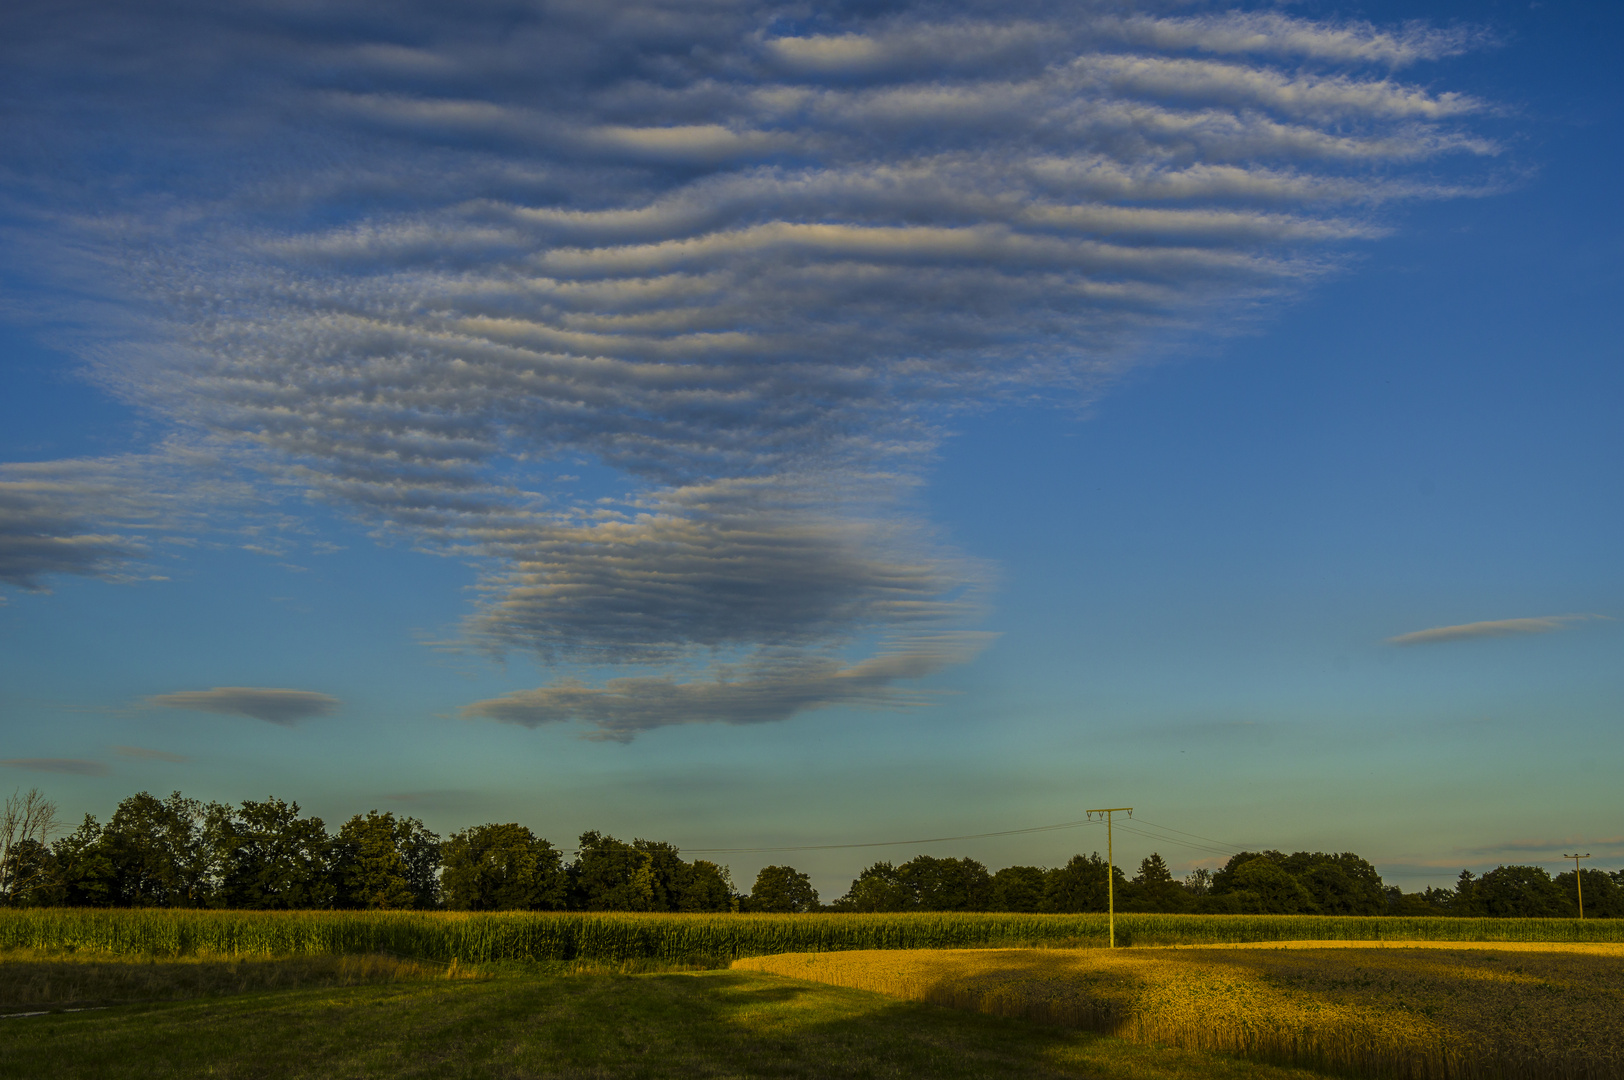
1181 843
1197 841
1231 848
887 843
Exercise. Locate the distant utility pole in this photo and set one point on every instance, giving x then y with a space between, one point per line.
1576 880
1110 866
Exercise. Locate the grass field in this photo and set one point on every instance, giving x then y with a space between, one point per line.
378 1020
1437 1011
430 994
702 940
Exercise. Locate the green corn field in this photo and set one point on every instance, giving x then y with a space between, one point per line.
617 937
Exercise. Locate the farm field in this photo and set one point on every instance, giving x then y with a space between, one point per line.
1432 1011
703 940
374 1019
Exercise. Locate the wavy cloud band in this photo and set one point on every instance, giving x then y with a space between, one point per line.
425 262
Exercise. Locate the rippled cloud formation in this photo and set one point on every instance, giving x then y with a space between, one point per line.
421 260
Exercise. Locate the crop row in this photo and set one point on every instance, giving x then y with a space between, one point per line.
619 937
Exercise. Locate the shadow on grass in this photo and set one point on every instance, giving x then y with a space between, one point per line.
1406 1014
715 1024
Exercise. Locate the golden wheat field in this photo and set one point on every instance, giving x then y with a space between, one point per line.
1429 1010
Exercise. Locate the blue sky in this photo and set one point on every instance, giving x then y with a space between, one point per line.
753 426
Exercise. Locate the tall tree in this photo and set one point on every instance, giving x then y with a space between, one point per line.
502 868
1522 892
709 887
668 874
878 888
1278 892
610 875
1017 888
1604 896
84 873
933 884
384 862
1080 885
1153 888
275 859
27 875
783 889
1341 884
161 852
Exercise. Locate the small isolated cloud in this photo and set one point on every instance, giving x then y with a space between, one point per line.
71 766
141 753
1543 624
1549 847
285 707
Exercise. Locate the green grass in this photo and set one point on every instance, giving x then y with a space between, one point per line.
702 940
715 1024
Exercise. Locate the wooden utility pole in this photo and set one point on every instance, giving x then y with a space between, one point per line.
1577 882
1110 867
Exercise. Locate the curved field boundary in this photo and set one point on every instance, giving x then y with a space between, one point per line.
1587 948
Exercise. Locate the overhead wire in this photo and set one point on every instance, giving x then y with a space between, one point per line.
1194 840
888 843
1181 832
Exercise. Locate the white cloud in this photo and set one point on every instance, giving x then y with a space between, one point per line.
1543 624
1268 33
422 258
276 706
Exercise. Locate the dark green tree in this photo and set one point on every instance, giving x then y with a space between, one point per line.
381 861
1153 888
273 858
502 868
1431 901
1017 888
84 873
610 875
1198 882
1604 899
783 889
1341 884
877 888
1278 892
668 874
1521 892
157 852
708 887
933 884
1081 885
31 876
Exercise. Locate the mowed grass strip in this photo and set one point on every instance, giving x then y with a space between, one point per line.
702 940
31 980
1424 1012
721 1024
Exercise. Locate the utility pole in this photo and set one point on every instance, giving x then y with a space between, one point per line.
1110 866
1579 884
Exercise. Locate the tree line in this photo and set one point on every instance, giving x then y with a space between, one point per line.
181 852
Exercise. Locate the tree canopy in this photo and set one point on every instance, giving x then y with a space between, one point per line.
180 852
